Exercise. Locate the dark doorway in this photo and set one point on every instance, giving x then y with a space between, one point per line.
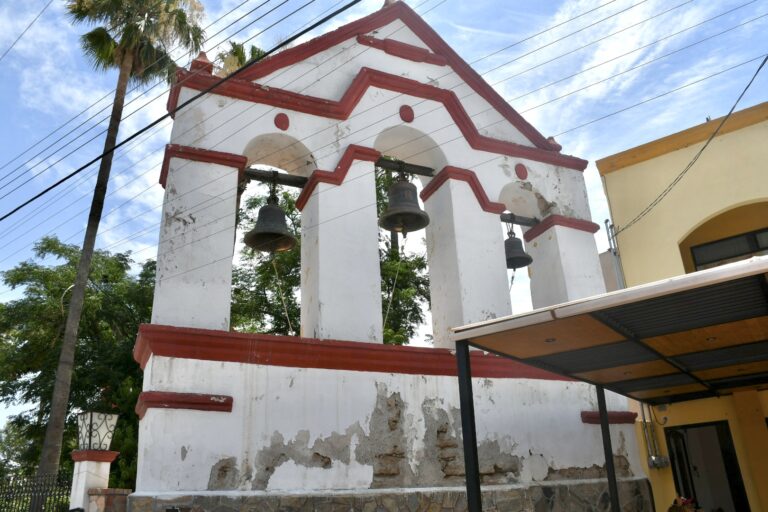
705 467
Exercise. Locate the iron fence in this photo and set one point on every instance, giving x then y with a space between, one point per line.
44 493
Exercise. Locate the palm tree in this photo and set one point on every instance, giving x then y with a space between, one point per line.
236 57
134 37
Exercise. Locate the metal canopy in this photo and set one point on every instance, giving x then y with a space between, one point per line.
693 336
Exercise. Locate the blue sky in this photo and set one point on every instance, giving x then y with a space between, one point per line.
45 81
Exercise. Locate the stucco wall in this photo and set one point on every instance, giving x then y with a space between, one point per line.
730 173
299 429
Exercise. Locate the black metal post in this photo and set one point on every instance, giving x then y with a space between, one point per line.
613 488
468 432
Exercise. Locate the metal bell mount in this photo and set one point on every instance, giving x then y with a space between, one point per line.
403 214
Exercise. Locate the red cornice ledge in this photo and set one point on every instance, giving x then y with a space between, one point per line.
336 177
201 155
295 352
94 455
191 401
614 417
403 50
560 220
456 173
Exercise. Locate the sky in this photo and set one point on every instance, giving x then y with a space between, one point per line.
610 75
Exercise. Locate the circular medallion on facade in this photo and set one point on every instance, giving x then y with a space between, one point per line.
521 171
406 113
282 121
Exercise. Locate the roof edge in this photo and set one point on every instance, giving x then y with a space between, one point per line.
699 133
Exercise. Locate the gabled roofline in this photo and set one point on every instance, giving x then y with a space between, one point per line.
384 16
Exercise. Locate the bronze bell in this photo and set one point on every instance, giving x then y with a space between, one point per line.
271 233
403 214
513 250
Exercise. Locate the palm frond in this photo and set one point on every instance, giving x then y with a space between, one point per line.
99 46
152 62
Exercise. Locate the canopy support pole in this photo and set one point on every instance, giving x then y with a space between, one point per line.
613 488
468 432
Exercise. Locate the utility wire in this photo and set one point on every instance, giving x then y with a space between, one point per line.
183 104
25 30
82 145
229 119
695 158
108 94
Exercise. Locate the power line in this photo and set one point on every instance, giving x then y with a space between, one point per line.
107 95
82 145
25 30
183 104
695 158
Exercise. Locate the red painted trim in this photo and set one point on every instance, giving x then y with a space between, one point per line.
403 50
188 343
366 78
560 220
406 113
614 417
94 455
380 18
336 177
521 171
193 401
201 155
282 121
470 177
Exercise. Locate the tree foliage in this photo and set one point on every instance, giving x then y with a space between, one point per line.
237 56
105 377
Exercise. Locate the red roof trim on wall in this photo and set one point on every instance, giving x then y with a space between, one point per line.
171 400
336 177
560 220
456 173
403 50
384 16
295 352
366 78
94 455
614 417
201 155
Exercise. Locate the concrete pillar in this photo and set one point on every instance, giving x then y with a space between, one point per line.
565 264
91 471
750 421
467 269
197 234
340 275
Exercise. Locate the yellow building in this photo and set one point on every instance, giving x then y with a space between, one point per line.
716 213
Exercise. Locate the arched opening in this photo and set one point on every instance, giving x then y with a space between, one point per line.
266 290
406 311
733 235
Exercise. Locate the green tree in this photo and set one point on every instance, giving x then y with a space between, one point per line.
105 376
131 36
237 57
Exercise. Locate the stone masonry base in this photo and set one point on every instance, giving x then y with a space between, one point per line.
555 496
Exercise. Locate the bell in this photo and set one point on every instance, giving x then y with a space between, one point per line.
516 256
271 233
403 214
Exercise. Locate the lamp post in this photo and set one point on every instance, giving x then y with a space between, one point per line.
93 457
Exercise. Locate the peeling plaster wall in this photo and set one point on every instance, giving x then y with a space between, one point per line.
294 429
